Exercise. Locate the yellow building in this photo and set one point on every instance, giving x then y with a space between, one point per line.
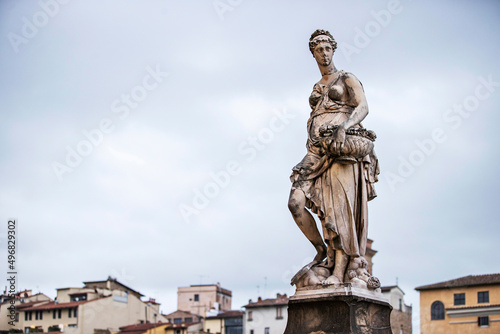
229 322
162 328
149 328
464 305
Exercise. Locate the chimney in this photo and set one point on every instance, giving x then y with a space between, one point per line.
278 295
259 300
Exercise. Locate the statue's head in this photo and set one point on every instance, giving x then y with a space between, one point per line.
319 36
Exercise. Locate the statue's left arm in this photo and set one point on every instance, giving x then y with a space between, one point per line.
356 97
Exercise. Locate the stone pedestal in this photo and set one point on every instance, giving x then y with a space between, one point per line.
340 309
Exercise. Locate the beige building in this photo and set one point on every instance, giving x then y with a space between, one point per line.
469 304
198 299
9 314
99 305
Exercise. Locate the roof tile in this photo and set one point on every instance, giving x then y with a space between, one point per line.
471 280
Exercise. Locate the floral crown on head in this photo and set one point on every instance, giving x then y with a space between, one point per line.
321 35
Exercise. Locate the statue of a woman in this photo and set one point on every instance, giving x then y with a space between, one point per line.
334 187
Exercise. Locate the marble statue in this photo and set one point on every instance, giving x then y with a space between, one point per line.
335 180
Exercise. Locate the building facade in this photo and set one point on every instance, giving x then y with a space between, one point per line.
9 315
401 313
266 316
102 305
469 304
198 299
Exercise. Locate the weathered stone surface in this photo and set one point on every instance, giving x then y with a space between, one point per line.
336 293
335 180
338 311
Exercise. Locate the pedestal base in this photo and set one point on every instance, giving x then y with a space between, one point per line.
338 310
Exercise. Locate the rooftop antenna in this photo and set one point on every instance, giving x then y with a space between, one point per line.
265 286
397 280
258 291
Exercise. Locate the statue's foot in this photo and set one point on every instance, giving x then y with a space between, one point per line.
332 280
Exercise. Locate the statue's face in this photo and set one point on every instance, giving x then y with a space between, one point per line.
323 53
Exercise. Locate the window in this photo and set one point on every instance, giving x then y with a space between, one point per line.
54 314
27 316
459 299
54 328
177 320
196 298
400 304
483 321
437 311
75 312
59 313
266 330
483 297
188 320
38 315
178 331
251 331
79 297
279 313
249 317
70 312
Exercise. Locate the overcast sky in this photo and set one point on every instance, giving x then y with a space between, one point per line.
117 116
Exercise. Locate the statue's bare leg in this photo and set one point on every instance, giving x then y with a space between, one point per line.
341 261
306 223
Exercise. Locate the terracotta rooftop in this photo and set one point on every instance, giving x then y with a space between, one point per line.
280 300
140 328
23 306
54 305
471 280
227 314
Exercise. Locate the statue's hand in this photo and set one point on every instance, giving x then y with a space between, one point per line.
338 139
